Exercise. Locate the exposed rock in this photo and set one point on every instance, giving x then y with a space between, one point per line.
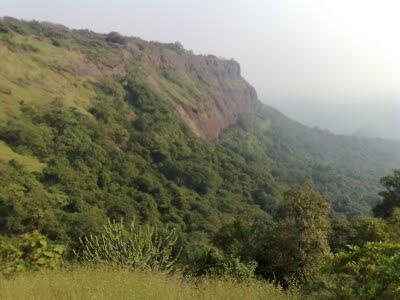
228 95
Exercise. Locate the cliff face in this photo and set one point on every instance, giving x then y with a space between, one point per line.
44 61
207 92
226 96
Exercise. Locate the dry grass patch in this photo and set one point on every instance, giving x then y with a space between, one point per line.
104 283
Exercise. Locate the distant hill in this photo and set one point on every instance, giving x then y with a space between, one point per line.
368 118
374 131
101 125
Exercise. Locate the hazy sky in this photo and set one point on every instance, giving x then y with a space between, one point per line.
325 50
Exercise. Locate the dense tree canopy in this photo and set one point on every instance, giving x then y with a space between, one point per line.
390 196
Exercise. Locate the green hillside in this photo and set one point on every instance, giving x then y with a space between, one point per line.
96 126
134 159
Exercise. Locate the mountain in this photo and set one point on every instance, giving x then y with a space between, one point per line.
372 131
96 126
368 118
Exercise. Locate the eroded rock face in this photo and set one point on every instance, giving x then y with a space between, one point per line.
207 92
230 96
224 93
212 89
220 109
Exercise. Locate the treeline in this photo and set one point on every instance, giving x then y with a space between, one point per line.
297 246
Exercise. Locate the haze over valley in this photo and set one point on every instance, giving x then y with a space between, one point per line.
366 118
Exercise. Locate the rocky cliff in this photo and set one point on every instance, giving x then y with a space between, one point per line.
226 97
207 92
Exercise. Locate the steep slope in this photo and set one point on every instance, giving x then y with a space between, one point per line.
41 62
95 126
346 170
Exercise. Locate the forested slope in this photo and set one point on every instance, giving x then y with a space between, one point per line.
96 126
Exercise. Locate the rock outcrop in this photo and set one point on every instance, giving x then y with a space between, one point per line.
211 91
229 97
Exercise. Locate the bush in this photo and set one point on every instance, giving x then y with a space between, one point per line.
131 247
31 251
194 175
369 272
115 38
216 264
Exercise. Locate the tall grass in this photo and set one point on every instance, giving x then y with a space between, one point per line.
107 283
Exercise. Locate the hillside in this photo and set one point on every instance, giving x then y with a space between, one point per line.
370 119
96 126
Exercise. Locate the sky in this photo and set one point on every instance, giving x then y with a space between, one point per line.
339 52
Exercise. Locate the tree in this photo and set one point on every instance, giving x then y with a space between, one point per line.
116 38
368 272
214 263
368 229
298 242
390 197
358 232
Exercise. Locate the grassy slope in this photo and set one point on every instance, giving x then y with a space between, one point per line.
30 163
37 72
119 284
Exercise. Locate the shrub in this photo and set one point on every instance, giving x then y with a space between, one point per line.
31 251
194 175
115 38
131 247
29 47
390 196
216 264
369 272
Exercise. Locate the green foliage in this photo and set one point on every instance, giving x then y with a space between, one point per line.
116 38
195 175
393 223
25 205
369 229
106 142
30 251
27 138
298 241
368 272
244 236
358 232
92 134
390 197
291 246
216 264
131 247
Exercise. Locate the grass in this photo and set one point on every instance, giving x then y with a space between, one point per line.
42 76
102 283
30 163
